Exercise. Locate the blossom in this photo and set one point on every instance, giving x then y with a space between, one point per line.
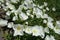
8 13
50 19
38 31
46 29
50 25
23 16
12 7
49 37
47 8
18 29
10 24
14 1
57 27
3 22
37 12
53 9
15 18
45 4
44 21
28 30
45 16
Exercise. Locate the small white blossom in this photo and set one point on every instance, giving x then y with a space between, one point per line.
3 22
26 23
49 37
45 16
8 13
56 30
50 25
28 14
44 10
54 9
38 12
57 27
38 31
12 7
45 4
18 29
32 16
28 30
47 8
46 30
14 1
41 7
10 25
50 19
15 18
23 16
44 21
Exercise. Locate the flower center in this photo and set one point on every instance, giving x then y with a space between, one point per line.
18 28
34 31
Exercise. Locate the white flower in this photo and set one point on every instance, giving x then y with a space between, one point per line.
3 22
21 7
45 16
32 16
10 25
56 30
8 13
46 29
23 16
54 9
28 29
57 27
45 4
41 7
44 10
28 12
38 12
18 29
44 21
15 18
47 8
58 24
38 31
26 23
49 37
50 19
28 4
14 1
12 7
50 25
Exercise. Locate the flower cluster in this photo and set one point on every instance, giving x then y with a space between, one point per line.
26 16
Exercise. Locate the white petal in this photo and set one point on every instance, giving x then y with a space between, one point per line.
47 8
8 13
28 30
46 30
14 1
18 33
54 9
10 25
3 22
49 37
45 4
15 18
23 16
44 21
50 25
